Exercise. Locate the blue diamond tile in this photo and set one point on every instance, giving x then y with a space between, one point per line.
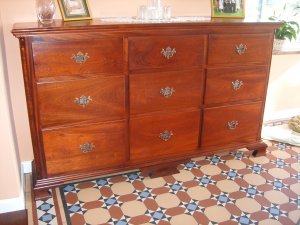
223 198
144 194
69 188
192 206
278 184
75 208
133 176
101 182
45 206
175 187
204 180
244 220
110 201
47 218
157 215
274 211
122 222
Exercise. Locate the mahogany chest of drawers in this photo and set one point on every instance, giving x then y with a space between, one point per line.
105 97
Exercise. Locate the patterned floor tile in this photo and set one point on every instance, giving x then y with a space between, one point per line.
225 189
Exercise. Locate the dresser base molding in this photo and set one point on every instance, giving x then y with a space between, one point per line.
153 169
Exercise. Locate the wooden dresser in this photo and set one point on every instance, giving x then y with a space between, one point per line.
106 97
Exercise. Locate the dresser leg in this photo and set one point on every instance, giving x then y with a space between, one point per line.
162 169
42 194
258 149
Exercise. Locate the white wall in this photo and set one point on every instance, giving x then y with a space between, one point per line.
283 97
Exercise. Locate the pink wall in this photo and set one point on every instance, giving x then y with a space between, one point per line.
9 164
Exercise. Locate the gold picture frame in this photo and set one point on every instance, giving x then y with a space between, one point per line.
74 10
228 8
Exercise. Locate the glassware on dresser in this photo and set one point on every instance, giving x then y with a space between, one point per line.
45 10
154 10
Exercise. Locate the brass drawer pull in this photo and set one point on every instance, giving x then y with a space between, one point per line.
232 125
167 92
166 135
168 53
240 49
80 58
87 147
237 84
83 100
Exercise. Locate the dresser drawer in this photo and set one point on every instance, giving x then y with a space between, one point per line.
69 58
231 125
84 148
240 49
166 51
81 101
164 135
235 84
165 91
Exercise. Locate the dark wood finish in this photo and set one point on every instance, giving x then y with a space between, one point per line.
42 194
105 56
222 48
63 153
146 52
165 169
57 106
145 141
258 149
145 91
216 133
14 218
123 75
219 87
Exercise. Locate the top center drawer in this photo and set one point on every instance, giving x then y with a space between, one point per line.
167 52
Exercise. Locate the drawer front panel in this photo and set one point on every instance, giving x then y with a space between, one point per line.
78 57
166 51
164 91
235 84
231 125
81 101
84 148
240 49
164 135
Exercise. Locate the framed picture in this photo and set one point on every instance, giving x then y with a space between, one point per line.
74 9
228 8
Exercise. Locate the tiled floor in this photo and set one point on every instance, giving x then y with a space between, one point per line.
229 188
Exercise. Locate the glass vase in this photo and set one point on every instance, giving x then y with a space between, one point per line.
45 10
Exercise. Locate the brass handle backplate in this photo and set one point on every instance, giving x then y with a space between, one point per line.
167 92
240 49
168 52
83 100
80 58
232 125
237 84
87 147
166 135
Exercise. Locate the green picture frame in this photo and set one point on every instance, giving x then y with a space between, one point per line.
228 8
74 9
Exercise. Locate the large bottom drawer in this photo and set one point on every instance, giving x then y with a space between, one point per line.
84 148
231 125
164 135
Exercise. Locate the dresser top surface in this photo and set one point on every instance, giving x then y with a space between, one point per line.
28 28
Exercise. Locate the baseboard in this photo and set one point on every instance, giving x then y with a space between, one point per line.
281 115
26 166
14 204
